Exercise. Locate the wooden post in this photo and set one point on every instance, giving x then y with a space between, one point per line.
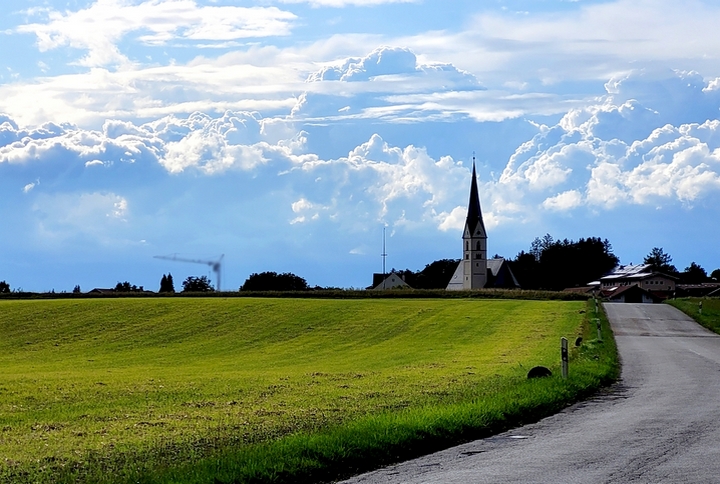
564 356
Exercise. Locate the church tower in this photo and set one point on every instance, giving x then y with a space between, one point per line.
474 242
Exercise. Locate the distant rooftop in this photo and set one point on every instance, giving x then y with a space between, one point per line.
630 270
627 272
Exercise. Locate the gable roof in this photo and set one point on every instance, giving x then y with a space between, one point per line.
474 213
392 281
626 290
502 273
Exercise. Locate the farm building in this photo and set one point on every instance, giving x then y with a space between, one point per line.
659 285
389 281
697 290
632 294
102 291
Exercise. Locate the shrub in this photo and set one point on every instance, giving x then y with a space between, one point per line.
272 281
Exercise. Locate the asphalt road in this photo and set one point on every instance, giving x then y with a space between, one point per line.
660 423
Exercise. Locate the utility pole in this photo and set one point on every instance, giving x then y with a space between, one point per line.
384 256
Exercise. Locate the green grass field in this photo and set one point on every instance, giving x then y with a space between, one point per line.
253 390
710 317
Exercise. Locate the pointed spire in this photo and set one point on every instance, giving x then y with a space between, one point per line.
474 214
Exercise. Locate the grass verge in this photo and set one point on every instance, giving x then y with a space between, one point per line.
710 315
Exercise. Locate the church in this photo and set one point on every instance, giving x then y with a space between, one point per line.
475 270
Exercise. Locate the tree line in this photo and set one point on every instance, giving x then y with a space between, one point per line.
559 264
548 264
692 274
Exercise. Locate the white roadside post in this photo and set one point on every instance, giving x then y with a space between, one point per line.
700 308
564 356
599 329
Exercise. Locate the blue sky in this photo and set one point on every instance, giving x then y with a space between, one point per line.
286 134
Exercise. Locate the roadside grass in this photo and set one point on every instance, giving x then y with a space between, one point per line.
710 317
272 390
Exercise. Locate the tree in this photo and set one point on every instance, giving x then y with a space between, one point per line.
715 274
539 245
435 275
76 289
167 284
557 264
693 274
126 287
660 261
197 284
272 281
526 268
4 287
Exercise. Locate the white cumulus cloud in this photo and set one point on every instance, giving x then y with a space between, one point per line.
661 149
389 82
583 162
564 201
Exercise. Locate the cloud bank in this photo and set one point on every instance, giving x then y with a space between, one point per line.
367 87
99 28
647 142
651 141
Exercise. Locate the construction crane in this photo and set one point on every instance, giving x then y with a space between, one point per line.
215 265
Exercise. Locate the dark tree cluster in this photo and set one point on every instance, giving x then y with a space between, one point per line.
127 287
435 275
660 262
693 274
167 284
4 287
272 281
197 284
558 264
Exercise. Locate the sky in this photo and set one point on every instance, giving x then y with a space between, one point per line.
287 135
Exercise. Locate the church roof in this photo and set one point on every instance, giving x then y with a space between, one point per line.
474 214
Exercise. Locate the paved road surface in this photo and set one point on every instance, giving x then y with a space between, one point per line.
660 423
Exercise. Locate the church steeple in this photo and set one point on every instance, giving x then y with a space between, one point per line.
474 221
474 241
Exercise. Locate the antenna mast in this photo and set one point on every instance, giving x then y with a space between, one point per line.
384 252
